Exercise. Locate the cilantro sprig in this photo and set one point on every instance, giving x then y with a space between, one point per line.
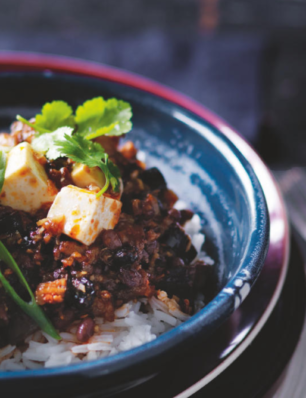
60 133
92 119
31 308
91 154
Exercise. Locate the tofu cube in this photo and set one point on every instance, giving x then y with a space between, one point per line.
83 176
26 185
85 214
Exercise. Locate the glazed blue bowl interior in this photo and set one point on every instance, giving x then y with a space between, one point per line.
206 171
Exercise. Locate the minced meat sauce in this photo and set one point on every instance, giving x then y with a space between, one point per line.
146 251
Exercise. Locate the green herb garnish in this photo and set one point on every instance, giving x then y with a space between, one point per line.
31 308
53 115
62 143
98 117
91 154
59 133
94 118
2 168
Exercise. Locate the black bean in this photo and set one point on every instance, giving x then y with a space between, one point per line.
85 330
124 257
76 295
190 254
10 221
176 239
153 178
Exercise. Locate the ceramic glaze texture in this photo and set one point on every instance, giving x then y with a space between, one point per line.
203 168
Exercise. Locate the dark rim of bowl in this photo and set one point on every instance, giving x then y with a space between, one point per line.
224 303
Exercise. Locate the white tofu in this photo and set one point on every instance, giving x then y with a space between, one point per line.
26 185
83 176
85 214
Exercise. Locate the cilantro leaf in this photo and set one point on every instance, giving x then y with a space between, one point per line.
94 118
45 143
53 115
88 116
81 150
2 168
91 154
98 117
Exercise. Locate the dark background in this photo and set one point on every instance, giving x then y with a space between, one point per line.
243 59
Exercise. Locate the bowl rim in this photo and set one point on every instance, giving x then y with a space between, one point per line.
223 303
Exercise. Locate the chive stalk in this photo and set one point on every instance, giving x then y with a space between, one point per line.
32 308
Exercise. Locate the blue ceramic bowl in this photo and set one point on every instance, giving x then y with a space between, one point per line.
199 162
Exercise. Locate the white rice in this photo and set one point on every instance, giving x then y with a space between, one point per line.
130 329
